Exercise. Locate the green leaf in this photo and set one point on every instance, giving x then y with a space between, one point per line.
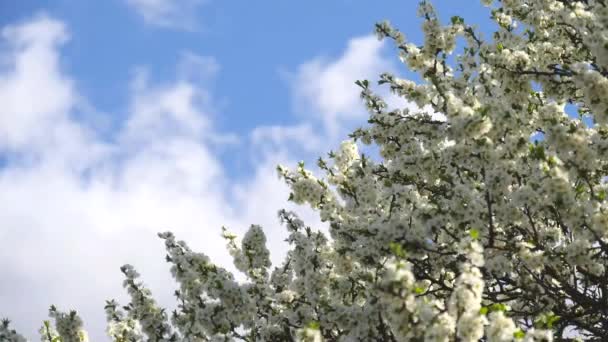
498 307
397 249
484 111
580 189
457 20
314 325
551 319
537 151
601 195
484 310
546 320
474 233
500 47
363 84
519 334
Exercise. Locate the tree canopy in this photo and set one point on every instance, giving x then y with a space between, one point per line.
484 216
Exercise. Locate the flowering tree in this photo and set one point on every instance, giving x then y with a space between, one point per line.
488 223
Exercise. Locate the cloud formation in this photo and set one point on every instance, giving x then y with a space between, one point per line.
177 14
32 72
326 87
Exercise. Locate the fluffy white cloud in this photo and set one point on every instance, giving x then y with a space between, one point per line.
197 68
325 88
179 14
77 204
277 137
34 94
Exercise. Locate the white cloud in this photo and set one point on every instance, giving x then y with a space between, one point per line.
277 137
75 205
197 68
325 88
34 95
167 110
180 14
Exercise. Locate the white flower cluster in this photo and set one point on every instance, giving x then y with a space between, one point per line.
143 308
68 325
253 258
9 335
594 86
67 328
484 217
465 300
500 327
120 327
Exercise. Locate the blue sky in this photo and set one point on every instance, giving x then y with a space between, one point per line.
122 118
